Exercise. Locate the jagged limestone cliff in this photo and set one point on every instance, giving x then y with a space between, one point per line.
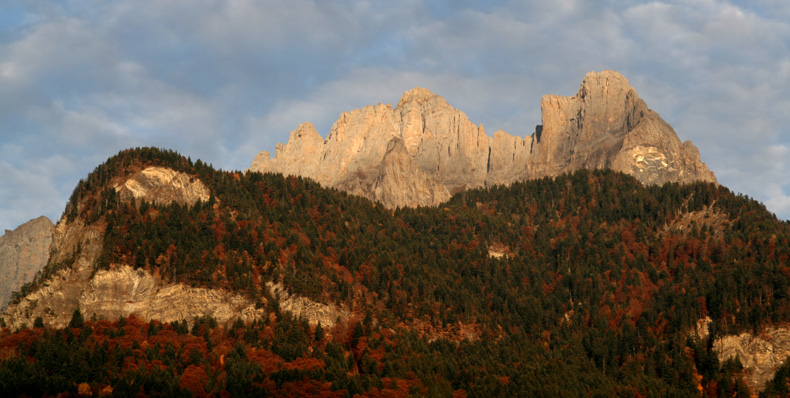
607 125
23 252
423 150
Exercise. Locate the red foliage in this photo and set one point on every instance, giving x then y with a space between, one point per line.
269 361
193 379
309 389
305 364
9 342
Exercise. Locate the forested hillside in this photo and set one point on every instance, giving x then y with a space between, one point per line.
581 285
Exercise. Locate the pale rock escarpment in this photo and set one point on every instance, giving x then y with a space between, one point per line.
314 312
761 355
418 153
123 291
163 185
423 150
23 252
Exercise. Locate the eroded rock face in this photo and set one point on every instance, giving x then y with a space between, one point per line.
114 293
761 355
418 153
163 185
23 252
423 150
607 125
314 312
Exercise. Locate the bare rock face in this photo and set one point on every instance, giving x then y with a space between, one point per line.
418 153
123 291
606 125
300 307
423 150
74 249
761 355
163 185
23 252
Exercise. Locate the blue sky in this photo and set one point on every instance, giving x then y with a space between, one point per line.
221 81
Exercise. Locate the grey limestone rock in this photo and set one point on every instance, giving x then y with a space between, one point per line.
23 252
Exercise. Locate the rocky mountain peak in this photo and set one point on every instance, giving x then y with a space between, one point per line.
607 125
424 150
418 95
603 85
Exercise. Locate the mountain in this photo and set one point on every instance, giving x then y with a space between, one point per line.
23 252
170 277
423 150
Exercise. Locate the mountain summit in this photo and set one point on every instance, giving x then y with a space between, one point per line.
423 150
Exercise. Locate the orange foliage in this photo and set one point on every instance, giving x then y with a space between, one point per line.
193 379
309 389
23 336
166 336
269 361
305 364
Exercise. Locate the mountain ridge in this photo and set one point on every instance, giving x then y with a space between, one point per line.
592 276
604 125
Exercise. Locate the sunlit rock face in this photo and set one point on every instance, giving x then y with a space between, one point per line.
607 125
423 150
163 185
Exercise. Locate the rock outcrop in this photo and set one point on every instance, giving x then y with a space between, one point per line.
76 246
418 153
74 250
163 185
123 291
301 307
23 252
761 355
423 150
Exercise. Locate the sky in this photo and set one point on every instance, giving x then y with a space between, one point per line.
222 81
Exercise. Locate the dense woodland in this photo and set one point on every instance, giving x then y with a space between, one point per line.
599 282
